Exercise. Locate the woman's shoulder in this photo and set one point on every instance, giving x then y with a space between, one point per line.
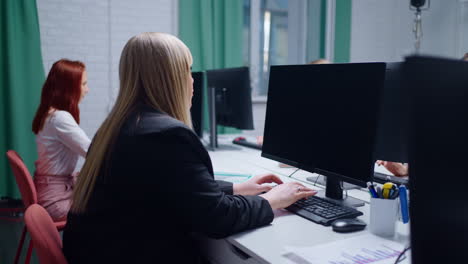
165 127
60 118
61 115
156 122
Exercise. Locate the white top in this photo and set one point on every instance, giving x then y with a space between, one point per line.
59 144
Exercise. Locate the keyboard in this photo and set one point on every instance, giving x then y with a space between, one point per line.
383 178
243 142
322 211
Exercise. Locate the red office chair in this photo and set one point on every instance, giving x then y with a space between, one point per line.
28 194
44 235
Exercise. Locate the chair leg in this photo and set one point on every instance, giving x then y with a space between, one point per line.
20 246
28 256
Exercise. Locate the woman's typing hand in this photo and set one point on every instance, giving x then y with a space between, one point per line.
286 194
256 185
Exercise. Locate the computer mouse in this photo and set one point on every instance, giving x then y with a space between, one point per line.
348 225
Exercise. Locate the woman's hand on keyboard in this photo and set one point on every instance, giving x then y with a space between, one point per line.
286 194
256 185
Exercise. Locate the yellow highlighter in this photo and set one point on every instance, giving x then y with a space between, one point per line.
386 190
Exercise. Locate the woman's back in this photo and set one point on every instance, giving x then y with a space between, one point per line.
127 212
158 190
59 144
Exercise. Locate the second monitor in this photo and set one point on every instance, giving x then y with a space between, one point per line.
230 100
323 119
393 125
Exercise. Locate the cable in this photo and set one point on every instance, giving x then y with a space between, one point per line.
417 30
316 179
417 6
205 143
293 172
402 255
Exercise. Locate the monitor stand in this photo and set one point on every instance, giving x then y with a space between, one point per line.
334 192
213 144
322 180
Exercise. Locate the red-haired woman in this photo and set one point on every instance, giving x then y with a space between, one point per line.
60 141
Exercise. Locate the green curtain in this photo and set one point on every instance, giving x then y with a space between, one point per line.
323 27
342 43
317 23
21 79
212 29
316 27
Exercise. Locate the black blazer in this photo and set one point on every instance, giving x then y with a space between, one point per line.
157 190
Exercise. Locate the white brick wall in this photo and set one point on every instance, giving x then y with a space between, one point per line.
95 33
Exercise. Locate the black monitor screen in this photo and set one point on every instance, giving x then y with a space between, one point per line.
197 103
323 118
392 135
438 159
233 97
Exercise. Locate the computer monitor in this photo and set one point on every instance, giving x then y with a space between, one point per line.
437 160
393 122
323 119
230 99
197 103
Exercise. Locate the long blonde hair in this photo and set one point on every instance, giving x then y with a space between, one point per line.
154 70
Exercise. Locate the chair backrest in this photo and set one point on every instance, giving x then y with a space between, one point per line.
46 239
23 178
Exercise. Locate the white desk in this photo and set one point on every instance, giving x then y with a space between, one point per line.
267 244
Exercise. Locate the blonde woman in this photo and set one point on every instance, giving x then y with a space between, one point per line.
147 184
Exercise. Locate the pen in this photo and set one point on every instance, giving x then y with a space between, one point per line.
372 191
379 192
404 204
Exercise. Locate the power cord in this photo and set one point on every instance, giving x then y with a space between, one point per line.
316 179
402 255
293 172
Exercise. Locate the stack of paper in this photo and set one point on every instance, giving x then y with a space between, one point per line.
356 250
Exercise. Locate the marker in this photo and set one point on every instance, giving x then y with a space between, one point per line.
395 194
386 190
404 204
372 191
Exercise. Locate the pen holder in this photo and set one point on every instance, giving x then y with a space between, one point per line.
383 216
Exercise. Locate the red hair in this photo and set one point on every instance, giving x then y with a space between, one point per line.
61 90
